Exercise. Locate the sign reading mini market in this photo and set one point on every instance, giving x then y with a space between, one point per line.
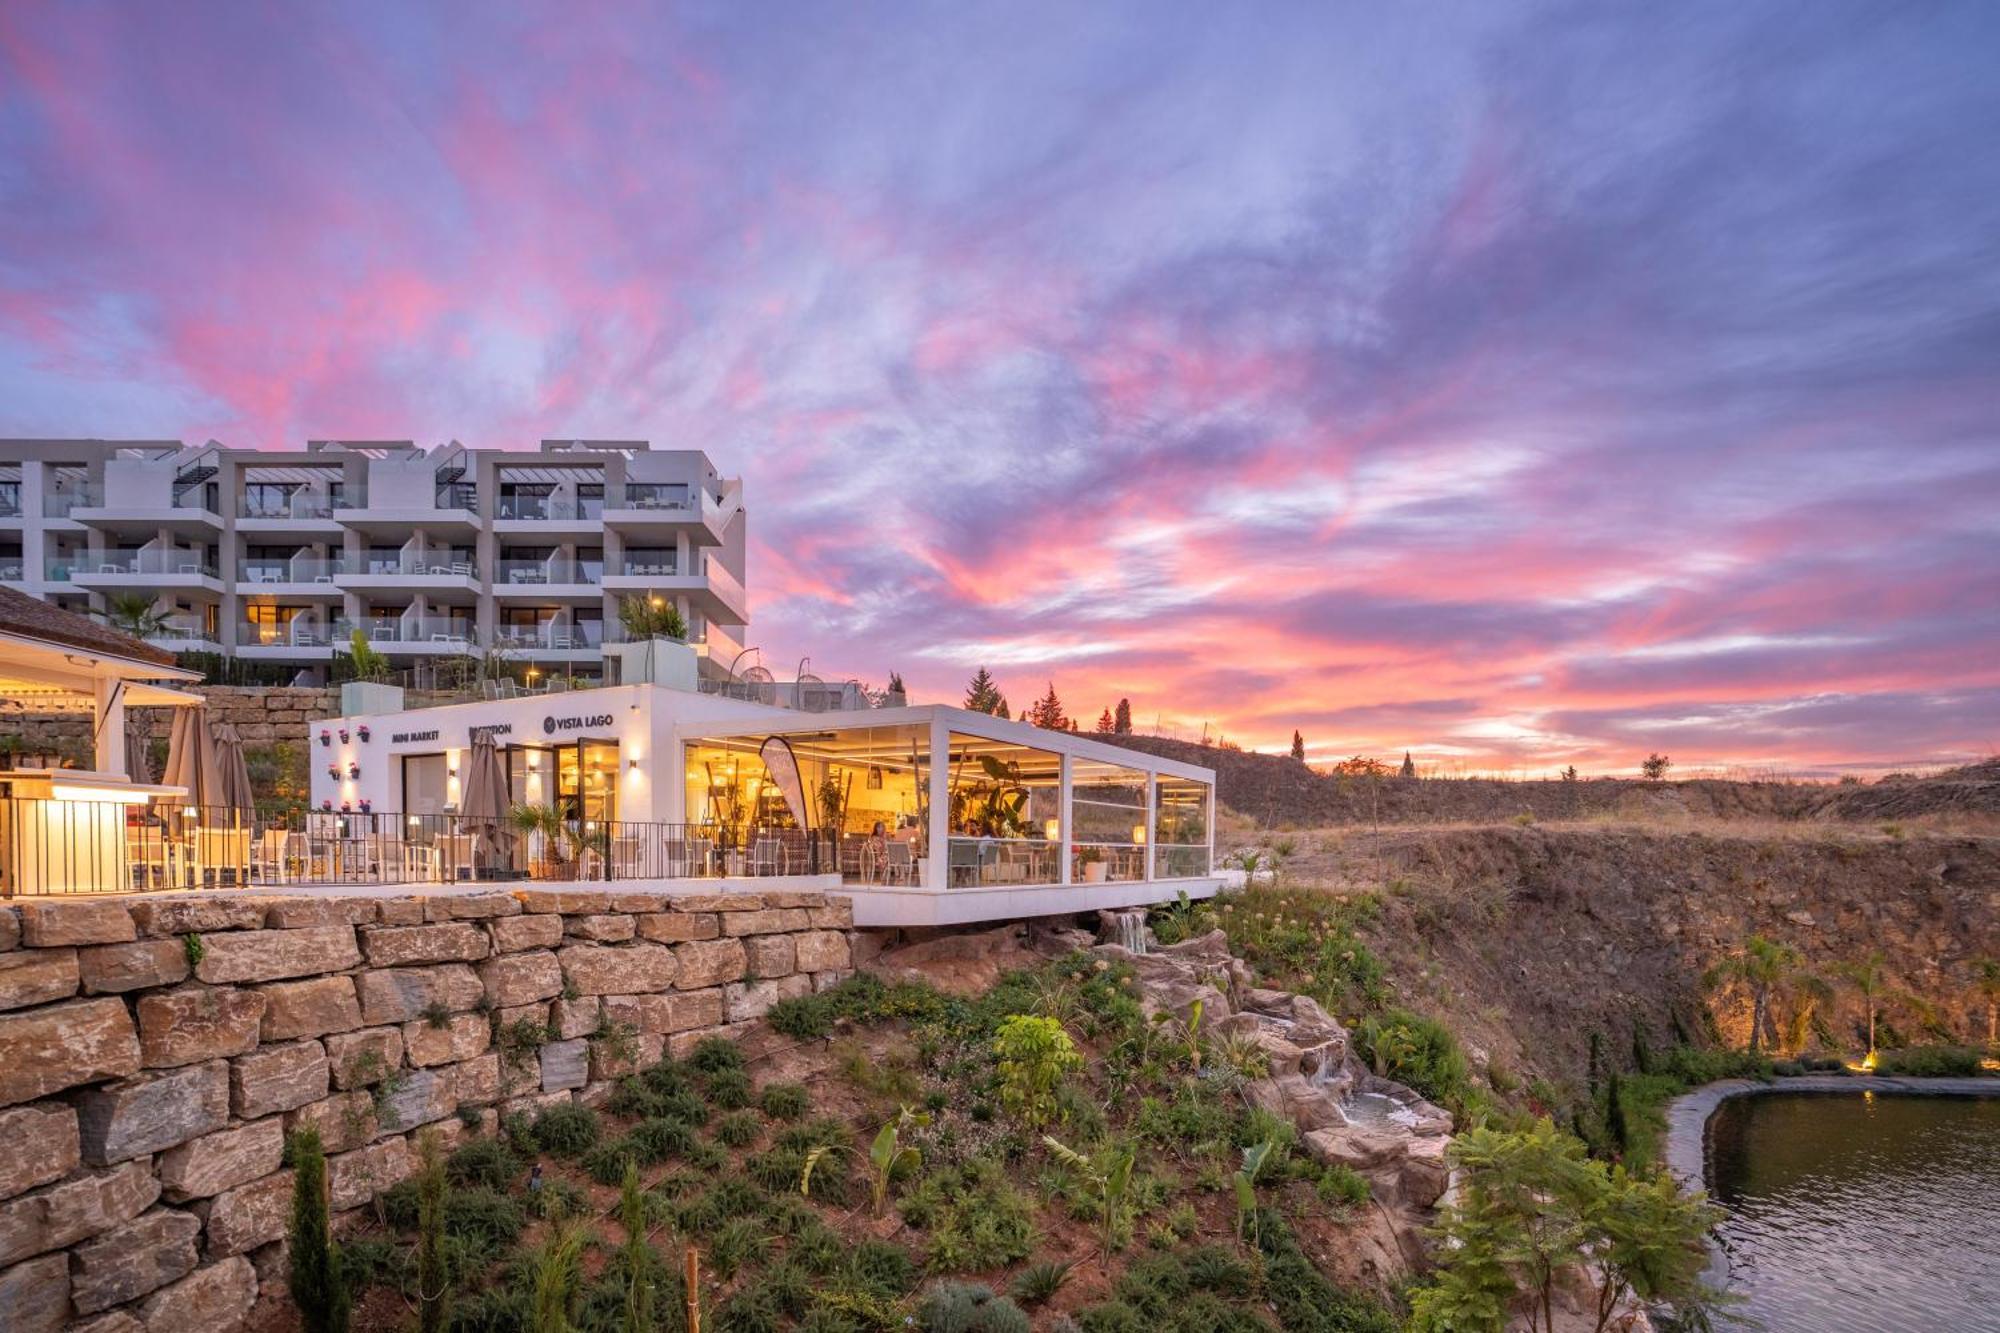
552 725
407 737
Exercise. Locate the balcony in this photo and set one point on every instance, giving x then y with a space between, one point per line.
142 510
62 501
179 570
178 636
303 638
553 641
548 515
451 574
412 633
13 569
301 575
450 509
552 577
10 500
712 591
304 511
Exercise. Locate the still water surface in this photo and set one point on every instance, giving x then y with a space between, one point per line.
1860 1213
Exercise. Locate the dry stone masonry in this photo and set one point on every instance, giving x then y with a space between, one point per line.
155 1052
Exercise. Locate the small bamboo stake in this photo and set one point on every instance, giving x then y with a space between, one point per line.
693 1290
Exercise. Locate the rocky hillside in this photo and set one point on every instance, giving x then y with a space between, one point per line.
1282 793
1526 940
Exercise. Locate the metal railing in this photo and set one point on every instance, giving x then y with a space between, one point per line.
552 569
59 847
661 496
428 564
549 507
296 569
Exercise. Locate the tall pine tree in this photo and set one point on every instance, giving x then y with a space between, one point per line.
1104 724
1121 718
1048 712
983 696
1298 746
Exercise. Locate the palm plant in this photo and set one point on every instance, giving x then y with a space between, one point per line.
1245 1182
547 821
1107 1174
368 664
890 1156
1871 983
134 613
1762 966
651 617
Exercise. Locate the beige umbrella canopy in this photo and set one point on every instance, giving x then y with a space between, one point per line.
233 792
138 740
192 762
483 801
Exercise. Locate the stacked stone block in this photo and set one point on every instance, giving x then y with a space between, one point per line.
155 1052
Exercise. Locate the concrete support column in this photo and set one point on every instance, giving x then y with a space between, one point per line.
109 721
939 833
1065 828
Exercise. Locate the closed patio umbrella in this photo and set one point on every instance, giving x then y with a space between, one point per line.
138 739
483 802
233 792
191 759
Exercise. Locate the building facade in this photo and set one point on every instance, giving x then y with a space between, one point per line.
280 557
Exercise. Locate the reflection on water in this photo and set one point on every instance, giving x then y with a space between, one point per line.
1373 1108
1854 1213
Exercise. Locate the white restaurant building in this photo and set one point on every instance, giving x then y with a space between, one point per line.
926 815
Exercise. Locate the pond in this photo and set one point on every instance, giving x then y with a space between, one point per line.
1859 1212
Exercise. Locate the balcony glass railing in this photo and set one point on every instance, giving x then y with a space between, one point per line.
167 564
299 632
12 569
58 503
552 636
458 496
428 564
10 499
640 566
408 629
302 504
175 631
653 495
534 573
298 569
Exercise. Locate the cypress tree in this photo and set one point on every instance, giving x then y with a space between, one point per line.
638 1256
1642 1053
319 1287
1614 1115
1298 746
431 1278
1596 1061
1121 718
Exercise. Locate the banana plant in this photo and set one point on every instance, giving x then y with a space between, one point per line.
1245 1181
891 1155
1107 1174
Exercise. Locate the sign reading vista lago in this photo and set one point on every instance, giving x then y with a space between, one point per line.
552 725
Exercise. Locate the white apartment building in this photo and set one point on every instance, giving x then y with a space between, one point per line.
280 556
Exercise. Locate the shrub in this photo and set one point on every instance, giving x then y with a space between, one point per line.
785 1101
1341 1186
739 1242
1037 1284
968 1307
606 1162
738 1130
1111 1317
487 1162
1033 1054
974 1218
881 1268
556 1198
1418 1052
1930 1062
730 1089
566 1130
1214 1268
658 1139
712 1055
801 1017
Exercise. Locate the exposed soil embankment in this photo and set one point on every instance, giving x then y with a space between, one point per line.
1279 792
1527 940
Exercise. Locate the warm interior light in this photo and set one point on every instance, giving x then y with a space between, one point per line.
413 821
1052 829
63 791
1139 834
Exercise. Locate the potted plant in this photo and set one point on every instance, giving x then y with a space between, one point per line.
547 823
1090 861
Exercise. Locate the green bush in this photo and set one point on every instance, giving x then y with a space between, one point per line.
1419 1053
1930 1062
1037 1284
661 1137
801 1017
1112 1317
1218 1269
1306 1301
974 1219
730 1089
566 1130
712 1055
968 1307
487 1162
785 1101
881 1269
738 1243
605 1162
739 1129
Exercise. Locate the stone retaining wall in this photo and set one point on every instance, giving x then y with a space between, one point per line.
262 716
155 1051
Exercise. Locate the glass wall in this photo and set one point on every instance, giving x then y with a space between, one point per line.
1108 809
866 792
1006 813
1180 827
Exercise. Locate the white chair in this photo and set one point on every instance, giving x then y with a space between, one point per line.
421 864
902 868
764 857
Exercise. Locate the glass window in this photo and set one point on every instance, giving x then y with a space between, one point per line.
425 778
1180 827
1006 813
866 792
1108 808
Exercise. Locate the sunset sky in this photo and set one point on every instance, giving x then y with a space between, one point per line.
1513 384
